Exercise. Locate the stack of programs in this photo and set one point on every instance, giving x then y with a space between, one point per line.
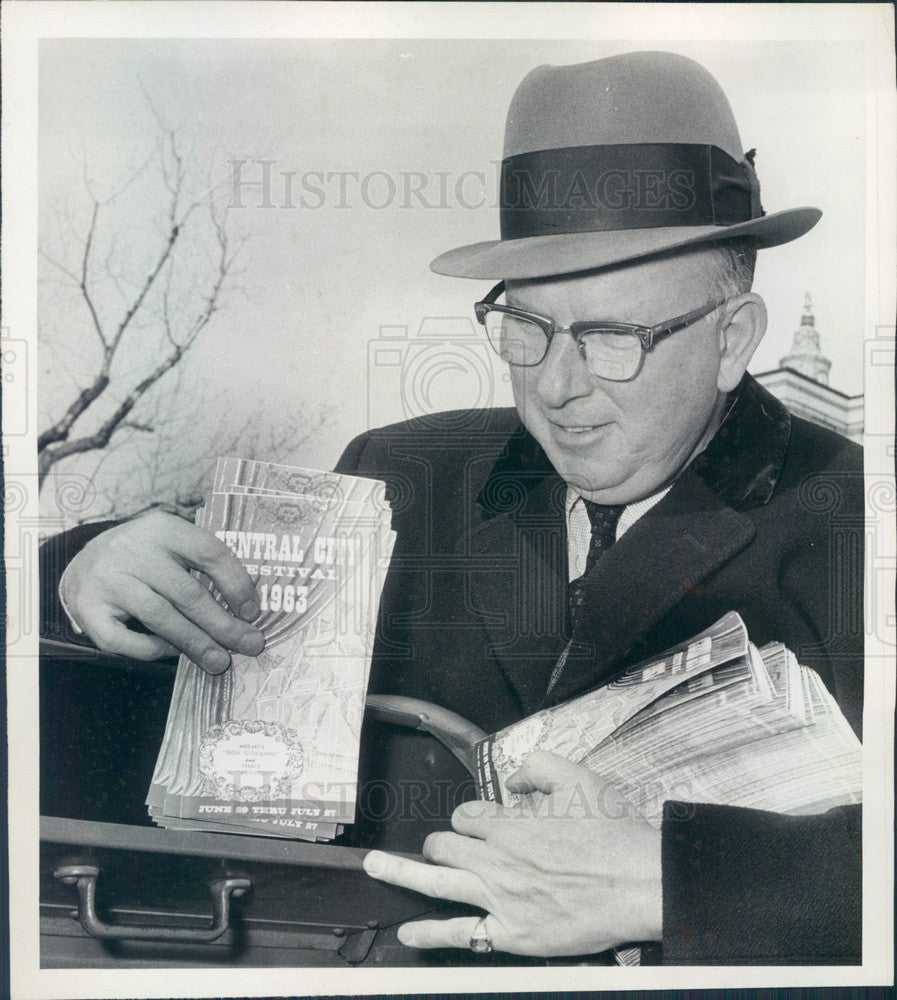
271 746
713 720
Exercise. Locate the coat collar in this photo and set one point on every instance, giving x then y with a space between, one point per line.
743 460
695 528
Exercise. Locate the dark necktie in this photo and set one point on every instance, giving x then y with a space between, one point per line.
603 519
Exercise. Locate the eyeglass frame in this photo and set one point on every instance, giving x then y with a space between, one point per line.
648 335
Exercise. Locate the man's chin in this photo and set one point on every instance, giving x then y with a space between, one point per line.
596 472
588 477
615 485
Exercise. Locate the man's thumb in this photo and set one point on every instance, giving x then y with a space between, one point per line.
545 772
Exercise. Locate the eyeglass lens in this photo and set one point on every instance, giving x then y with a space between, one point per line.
518 341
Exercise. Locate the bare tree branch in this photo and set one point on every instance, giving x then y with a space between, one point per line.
60 267
148 438
60 430
174 469
85 262
55 445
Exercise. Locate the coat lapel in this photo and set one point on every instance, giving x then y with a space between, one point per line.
664 556
517 549
697 527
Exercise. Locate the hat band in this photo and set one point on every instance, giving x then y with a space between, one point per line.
578 189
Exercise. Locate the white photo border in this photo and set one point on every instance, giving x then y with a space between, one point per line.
24 24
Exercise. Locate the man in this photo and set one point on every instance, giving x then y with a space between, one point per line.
643 487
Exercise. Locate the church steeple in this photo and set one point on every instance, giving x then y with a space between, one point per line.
806 354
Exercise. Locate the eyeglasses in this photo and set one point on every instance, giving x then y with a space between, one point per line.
613 351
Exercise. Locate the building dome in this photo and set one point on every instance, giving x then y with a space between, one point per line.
806 355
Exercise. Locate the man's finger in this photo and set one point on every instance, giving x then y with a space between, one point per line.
196 603
111 635
455 851
547 772
161 618
473 819
203 551
455 933
431 880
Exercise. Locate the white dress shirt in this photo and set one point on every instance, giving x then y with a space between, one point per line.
579 529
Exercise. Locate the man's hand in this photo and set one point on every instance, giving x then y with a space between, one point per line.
570 872
140 570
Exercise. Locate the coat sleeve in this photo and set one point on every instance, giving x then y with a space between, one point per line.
55 554
743 886
746 887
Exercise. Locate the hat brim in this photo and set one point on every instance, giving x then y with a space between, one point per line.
566 253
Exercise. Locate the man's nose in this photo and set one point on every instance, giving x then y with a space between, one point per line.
563 374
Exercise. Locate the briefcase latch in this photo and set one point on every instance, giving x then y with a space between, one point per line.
84 877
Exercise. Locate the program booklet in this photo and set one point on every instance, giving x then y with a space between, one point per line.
271 745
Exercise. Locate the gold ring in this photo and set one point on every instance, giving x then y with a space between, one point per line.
480 942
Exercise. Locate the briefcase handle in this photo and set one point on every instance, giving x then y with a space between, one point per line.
84 877
452 730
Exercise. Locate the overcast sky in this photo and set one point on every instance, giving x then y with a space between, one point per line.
324 281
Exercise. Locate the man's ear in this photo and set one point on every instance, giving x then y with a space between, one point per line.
742 329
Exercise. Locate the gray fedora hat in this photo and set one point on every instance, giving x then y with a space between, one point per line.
617 159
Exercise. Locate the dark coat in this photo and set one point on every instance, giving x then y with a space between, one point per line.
768 522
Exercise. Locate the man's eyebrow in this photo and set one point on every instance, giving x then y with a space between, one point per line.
603 314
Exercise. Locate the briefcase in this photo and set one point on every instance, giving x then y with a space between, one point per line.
117 891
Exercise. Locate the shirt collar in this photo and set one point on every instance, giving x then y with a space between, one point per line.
642 505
